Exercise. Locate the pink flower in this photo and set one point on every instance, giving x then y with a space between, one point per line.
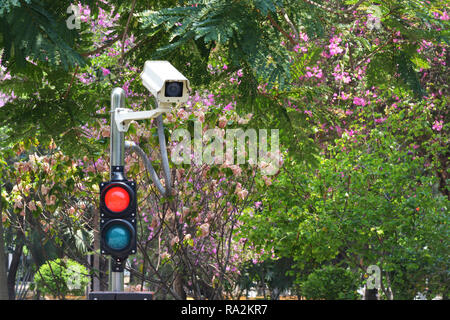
18 203
174 241
228 107
50 201
44 190
223 122
200 116
267 180
236 170
105 72
380 120
303 36
437 125
243 194
359 101
350 133
344 97
346 79
182 114
204 229
334 46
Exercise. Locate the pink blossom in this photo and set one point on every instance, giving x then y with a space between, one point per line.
228 107
359 101
182 114
344 97
350 132
334 46
222 122
380 120
303 36
204 229
346 79
105 72
437 125
243 194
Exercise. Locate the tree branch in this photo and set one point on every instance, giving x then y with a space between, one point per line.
103 47
126 30
277 26
71 82
290 23
335 11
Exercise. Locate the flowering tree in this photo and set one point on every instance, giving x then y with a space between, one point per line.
351 86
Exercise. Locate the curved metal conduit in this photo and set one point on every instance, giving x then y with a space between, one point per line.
130 145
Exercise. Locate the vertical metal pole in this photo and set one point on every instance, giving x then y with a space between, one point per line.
117 148
117 153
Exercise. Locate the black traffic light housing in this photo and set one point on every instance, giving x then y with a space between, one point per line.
118 212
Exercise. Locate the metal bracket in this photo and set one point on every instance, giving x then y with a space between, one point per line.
118 264
124 116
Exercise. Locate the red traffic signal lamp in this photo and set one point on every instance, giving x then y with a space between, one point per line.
118 211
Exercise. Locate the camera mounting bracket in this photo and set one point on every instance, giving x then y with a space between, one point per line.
123 116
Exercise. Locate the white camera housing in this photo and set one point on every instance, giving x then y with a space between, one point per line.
165 82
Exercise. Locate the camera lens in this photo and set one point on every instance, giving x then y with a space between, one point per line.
174 89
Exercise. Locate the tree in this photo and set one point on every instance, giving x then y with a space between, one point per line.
3 259
345 83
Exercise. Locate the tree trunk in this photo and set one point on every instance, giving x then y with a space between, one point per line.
178 286
3 261
14 266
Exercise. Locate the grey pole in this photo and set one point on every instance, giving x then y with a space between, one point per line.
117 153
117 138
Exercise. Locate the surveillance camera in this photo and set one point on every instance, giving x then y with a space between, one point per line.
165 82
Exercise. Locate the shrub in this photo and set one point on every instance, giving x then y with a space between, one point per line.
60 277
331 283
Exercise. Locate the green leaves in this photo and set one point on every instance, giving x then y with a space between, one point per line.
331 283
234 25
367 203
31 31
267 6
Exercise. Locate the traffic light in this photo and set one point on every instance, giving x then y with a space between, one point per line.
118 209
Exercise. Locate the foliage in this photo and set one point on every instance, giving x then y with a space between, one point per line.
270 273
331 283
357 89
62 277
37 30
371 202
